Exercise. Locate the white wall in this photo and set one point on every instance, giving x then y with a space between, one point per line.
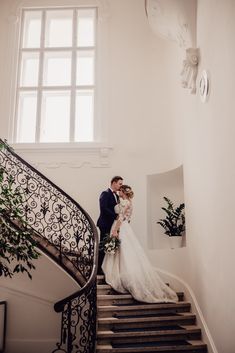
207 263
209 174
135 115
142 115
32 323
209 178
135 110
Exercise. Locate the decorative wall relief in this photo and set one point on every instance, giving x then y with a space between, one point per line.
190 69
204 86
77 157
176 20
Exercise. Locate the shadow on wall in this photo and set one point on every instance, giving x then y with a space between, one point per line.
171 185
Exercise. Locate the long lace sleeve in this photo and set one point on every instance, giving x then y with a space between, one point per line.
125 210
124 214
128 211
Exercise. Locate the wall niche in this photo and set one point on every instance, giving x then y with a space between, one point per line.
171 185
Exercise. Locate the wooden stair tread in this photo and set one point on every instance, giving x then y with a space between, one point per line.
104 286
169 347
143 306
153 332
114 296
120 295
100 276
180 316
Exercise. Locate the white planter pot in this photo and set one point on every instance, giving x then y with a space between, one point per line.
175 242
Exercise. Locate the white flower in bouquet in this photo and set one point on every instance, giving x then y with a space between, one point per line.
110 244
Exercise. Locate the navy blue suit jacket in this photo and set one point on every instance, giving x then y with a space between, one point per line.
107 214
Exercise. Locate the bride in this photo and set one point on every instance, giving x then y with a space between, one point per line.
129 270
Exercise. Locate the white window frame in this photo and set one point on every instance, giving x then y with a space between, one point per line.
73 87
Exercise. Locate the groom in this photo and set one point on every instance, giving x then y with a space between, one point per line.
108 200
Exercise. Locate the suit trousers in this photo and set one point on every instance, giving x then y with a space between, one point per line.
101 253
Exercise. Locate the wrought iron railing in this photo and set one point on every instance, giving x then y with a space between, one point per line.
3 324
68 235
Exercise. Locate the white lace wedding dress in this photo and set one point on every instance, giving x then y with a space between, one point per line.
129 270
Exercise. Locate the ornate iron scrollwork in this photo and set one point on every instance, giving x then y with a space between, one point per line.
61 224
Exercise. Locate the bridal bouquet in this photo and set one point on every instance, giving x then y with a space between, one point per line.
110 244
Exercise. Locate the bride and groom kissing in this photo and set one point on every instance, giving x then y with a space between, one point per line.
128 270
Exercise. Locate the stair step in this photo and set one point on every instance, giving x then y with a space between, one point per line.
176 347
161 334
107 299
112 323
146 329
142 309
100 279
126 325
105 289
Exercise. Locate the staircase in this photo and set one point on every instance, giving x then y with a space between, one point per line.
67 234
63 231
128 326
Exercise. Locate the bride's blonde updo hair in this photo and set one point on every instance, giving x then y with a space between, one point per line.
127 190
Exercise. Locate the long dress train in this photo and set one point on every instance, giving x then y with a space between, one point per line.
129 270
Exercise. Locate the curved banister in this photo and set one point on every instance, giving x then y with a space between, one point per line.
65 232
59 306
9 149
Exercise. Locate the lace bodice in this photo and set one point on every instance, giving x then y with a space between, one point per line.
124 209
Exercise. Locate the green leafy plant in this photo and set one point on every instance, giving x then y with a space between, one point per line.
174 222
4 143
17 246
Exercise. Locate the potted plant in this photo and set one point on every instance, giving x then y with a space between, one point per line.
174 221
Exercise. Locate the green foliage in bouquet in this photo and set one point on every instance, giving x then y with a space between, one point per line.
110 244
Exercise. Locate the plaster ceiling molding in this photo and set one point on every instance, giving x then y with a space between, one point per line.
104 10
96 156
175 20
13 9
103 5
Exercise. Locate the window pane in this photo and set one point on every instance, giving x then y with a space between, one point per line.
59 28
85 68
54 42
55 121
27 108
84 116
57 69
29 69
86 28
32 29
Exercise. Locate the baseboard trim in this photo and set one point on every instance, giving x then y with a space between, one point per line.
31 345
179 282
